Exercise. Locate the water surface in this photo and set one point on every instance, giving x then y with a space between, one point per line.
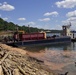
59 57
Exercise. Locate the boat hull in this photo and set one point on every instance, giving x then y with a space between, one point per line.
57 40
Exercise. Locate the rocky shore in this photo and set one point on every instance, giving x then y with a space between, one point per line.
15 61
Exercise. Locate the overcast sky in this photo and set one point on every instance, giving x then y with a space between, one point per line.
47 14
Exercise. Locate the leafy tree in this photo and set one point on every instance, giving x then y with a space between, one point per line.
4 26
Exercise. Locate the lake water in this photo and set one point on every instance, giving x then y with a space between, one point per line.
60 58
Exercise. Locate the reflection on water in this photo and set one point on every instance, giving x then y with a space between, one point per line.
58 57
68 46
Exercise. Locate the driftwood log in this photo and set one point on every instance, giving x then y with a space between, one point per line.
15 63
4 58
16 72
1 70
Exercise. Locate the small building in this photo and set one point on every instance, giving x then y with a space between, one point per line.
66 30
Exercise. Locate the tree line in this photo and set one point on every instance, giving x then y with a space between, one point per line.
10 26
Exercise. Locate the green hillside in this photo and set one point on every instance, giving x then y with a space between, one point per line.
10 26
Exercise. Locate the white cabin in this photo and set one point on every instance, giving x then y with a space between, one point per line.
66 30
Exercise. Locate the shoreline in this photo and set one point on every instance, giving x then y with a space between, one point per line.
20 55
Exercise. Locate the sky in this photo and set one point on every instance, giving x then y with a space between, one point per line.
46 14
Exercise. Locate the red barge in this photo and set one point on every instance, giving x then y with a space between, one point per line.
27 39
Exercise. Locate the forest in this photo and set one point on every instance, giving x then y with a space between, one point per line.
10 26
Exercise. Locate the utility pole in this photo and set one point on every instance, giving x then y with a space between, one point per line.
28 29
17 29
17 33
